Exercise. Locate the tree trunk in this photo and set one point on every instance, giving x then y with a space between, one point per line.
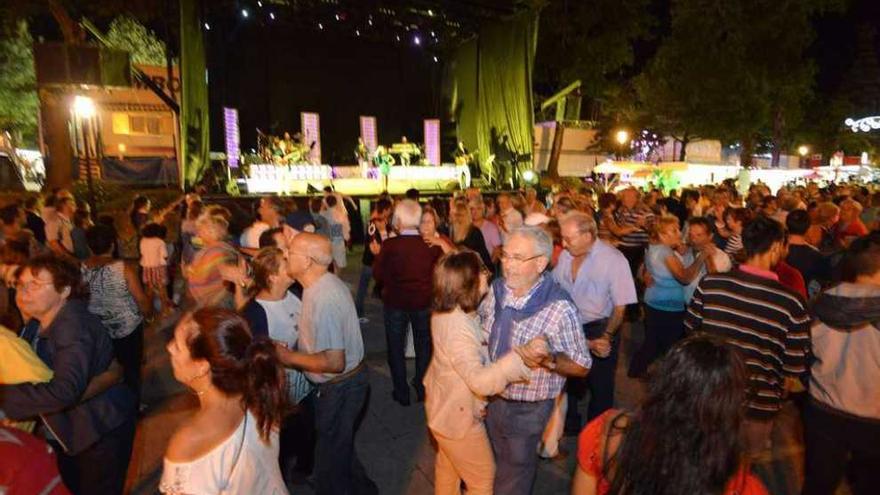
55 118
778 128
746 151
682 153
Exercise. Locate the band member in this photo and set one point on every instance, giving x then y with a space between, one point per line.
362 155
461 155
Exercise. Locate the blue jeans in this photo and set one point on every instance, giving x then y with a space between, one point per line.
338 410
515 430
396 321
363 285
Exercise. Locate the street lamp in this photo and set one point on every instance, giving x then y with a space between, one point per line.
622 137
803 150
83 107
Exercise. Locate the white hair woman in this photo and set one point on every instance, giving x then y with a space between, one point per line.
204 277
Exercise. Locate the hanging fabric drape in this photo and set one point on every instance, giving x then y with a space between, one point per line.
489 87
194 126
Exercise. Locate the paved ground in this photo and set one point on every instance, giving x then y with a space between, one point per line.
393 442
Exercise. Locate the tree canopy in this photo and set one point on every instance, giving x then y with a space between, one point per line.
18 95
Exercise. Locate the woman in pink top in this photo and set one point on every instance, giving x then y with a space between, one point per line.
685 436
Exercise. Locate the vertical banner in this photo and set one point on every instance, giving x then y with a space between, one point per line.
194 127
311 129
369 133
432 141
233 139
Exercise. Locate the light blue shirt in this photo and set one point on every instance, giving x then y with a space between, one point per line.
666 293
603 281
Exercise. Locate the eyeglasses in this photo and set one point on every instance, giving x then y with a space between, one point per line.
517 259
29 286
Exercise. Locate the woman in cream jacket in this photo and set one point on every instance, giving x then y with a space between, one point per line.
460 376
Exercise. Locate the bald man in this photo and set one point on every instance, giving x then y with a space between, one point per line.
330 350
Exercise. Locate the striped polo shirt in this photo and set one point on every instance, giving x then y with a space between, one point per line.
766 322
629 217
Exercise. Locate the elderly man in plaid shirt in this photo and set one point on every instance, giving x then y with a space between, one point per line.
524 304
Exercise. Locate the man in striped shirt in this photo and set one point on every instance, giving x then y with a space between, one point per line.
635 219
765 321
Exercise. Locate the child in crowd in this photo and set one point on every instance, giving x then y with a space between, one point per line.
154 262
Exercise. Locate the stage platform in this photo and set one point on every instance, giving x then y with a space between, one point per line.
288 180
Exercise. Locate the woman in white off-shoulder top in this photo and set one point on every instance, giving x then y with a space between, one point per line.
230 445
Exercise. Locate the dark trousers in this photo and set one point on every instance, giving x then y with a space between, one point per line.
101 468
837 444
129 351
297 438
363 285
338 411
515 430
599 382
396 321
635 256
662 330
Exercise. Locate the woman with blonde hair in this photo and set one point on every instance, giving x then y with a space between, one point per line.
204 275
458 380
464 234
665 297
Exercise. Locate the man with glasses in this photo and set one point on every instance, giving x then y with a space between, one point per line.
524 304
597 277
330 350
93 438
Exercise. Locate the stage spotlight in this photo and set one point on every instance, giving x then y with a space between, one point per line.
244 13
436 59
370 22
207 27
320 26
397 37
530 176
259 3
430 12
272 15
417 40
357 32
337 17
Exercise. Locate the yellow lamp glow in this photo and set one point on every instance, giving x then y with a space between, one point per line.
803 150
622 137
84 107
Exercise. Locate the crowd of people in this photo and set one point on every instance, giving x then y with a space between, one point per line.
515 304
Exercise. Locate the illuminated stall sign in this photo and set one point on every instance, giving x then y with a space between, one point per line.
865 124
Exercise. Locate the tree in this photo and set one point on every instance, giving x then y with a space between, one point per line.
126 33
591 41
18 96
733 70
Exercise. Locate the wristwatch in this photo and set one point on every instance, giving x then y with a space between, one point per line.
552 364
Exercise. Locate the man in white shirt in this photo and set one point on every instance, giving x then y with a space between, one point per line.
60 226
511 218
271 215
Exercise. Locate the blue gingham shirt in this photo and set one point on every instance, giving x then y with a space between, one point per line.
558 322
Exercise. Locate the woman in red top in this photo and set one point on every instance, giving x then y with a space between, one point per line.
684 438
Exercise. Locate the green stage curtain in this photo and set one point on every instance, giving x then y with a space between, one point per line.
194 125
489 87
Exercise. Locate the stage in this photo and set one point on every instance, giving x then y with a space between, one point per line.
289 180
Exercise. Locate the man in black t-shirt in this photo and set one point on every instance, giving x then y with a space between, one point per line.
815 268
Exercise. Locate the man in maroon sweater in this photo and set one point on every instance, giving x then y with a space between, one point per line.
404 267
